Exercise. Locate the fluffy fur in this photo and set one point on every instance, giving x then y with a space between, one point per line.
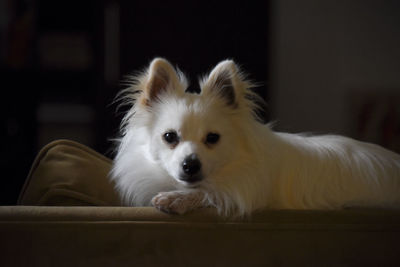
250 167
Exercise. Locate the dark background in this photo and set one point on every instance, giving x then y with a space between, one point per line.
62 63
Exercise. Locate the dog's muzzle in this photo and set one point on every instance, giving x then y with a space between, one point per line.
191 169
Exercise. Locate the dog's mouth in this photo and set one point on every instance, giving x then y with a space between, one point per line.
192 185
191 180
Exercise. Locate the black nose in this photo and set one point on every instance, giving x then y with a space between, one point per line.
191 168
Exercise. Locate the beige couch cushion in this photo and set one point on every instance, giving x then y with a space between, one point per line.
66 173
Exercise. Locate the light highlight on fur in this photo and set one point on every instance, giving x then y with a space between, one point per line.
251 167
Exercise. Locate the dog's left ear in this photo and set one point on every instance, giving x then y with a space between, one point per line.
224 81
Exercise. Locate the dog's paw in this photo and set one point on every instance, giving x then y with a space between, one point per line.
176 202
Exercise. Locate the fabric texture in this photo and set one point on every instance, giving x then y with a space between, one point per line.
123 236
67 173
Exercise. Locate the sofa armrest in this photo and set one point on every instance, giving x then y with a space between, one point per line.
123 236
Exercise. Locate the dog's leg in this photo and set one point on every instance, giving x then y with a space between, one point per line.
178 202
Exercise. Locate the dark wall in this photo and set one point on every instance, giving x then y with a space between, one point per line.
56 58
336 67
194 35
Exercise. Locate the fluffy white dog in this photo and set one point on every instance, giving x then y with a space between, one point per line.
181 151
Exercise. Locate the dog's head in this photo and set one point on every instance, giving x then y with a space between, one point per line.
194 137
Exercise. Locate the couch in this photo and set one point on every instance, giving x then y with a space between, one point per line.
68 214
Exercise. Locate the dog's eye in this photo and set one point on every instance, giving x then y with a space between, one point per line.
212 138
171 137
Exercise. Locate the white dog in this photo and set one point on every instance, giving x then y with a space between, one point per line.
181 151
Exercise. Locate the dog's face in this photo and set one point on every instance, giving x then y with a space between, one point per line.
191 139
194 137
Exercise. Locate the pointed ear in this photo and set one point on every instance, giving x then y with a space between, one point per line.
222 81
161 76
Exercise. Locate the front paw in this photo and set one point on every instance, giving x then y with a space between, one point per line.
176 202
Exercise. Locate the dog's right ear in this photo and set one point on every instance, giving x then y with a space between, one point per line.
161 76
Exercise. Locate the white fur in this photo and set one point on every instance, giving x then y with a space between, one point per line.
251 167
